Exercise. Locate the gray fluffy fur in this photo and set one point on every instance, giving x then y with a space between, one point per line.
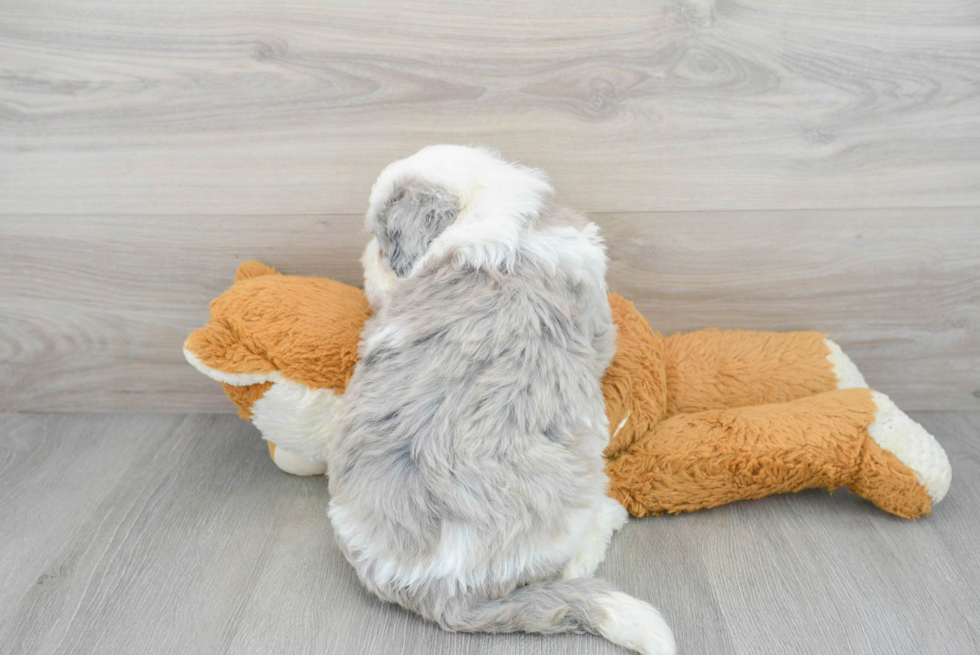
485 410
410 221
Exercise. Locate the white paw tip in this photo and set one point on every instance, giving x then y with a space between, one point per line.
296 465
897 433
848 375
636 625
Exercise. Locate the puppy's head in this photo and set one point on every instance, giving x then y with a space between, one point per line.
452 198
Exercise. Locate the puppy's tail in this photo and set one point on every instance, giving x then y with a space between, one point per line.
572 605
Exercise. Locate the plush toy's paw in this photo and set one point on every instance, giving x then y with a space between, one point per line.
903 469
848 375
894 431
294 464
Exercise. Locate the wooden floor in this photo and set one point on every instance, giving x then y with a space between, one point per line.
170 533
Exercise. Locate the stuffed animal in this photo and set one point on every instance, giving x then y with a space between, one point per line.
696 419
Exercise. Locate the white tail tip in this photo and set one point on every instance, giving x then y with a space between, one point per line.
636 625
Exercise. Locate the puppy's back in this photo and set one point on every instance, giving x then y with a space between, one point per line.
477 404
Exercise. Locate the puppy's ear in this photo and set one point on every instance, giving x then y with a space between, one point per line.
410 221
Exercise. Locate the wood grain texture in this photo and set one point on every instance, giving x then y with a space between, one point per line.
169 533
94 310
259 107
835 575
85 460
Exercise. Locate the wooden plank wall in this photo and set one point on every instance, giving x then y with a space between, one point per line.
766 164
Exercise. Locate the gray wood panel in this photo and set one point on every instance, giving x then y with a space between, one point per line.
84 460
168 533
260 107
93 310
823 573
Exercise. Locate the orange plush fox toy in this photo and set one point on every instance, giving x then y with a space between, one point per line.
696 419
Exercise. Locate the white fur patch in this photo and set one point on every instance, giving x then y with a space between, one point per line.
298 418
234 379
392 335
461 556
581 252
894 431
848 375
609 517
498 201
458 557
455 553
379 281
636 625
296 465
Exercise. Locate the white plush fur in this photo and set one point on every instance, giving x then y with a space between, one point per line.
234 379
848 375
294 464
637 625
298 419
392 335
894 431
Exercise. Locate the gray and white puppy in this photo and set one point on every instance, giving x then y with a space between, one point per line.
467 476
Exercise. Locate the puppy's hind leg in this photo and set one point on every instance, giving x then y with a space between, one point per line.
609 517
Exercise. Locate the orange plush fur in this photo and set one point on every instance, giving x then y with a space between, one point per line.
696 420
305 328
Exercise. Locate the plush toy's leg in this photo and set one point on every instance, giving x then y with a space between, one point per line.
293 415
896 433
292 463
853 437
713 369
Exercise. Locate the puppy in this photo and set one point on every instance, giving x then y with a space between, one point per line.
467 479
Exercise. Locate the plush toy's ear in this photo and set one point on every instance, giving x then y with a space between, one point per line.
251 268
219 354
